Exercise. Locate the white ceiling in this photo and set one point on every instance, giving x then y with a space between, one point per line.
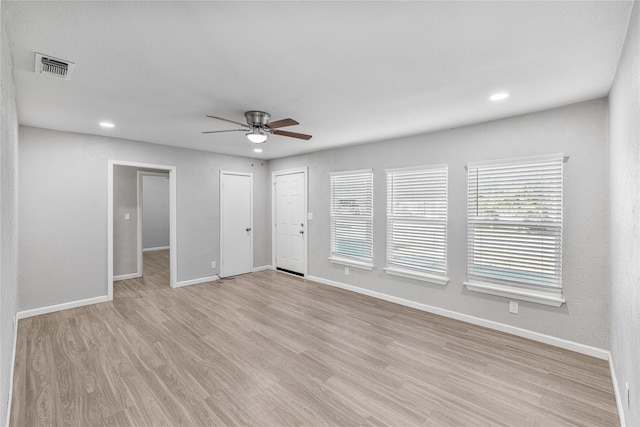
349 72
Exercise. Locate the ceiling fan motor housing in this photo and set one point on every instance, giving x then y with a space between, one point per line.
257 118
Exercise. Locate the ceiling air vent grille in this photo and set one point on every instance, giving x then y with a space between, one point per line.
55 67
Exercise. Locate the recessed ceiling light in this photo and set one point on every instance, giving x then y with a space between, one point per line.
107 125
257 150
499 96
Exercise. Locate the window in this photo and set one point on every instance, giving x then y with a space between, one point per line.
352 218
514 221
417 223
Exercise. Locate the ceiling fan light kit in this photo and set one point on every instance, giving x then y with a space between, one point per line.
257 136
259 127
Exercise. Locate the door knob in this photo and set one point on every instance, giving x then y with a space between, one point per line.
248 228
301 231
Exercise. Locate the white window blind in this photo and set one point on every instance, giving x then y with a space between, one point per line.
352 215
417 219
515 221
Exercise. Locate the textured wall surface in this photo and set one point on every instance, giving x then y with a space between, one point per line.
624 104
63 211
8 222
125 233
579 130
155 211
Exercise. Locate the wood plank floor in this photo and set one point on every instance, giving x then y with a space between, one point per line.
269 349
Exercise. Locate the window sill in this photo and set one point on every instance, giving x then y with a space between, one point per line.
539 297
351 263
417 275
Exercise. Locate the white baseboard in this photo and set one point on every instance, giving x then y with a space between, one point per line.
262 268
59 307
524 333
617 393
196 281
13 366
158 248
126 276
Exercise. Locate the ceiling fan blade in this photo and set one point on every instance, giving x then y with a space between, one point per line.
230 130
230 121
292 134
282 123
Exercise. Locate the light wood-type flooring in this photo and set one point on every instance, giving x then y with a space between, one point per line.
269 349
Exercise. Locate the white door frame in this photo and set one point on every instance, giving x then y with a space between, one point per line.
250 175
139 196
274 240
173 240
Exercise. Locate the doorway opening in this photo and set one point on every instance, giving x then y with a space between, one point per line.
154 224
126 223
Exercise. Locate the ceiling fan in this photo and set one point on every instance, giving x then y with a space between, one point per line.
258 127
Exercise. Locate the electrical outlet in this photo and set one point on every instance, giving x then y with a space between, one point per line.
213 264
127 217
513 307
346 271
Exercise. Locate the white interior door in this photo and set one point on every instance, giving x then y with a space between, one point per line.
236 235
291 222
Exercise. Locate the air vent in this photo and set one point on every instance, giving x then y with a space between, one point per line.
50 66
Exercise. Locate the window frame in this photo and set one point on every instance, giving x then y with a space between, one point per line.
339 257
545 222
411 269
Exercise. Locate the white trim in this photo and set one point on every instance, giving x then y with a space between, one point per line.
524 333
616 391
64 306
417 275
351 263
173 225
274 241
158 248
140 164
289 171
152 173
173 220
537 296
110 166
139 225
528 159
126 276
196 281
221 271
351 172
12 369
262 268
417 168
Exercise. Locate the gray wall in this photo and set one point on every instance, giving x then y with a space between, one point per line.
8 222
125 233
155 211
63 211
624 102
580 131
